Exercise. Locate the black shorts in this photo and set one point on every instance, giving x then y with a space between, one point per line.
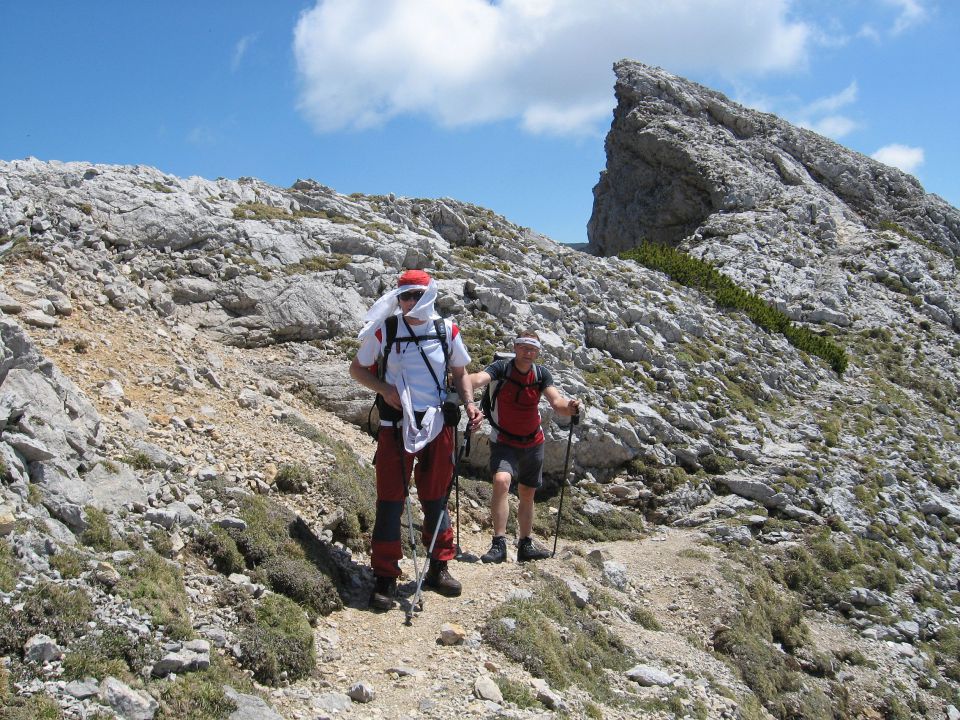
525 465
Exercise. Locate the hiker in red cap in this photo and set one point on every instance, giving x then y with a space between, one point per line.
415 349
516 440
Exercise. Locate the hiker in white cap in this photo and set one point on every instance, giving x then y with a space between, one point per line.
411 384
516 439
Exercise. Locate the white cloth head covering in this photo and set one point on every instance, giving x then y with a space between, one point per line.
389 305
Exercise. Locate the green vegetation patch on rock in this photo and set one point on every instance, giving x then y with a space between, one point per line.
286 555
557 641
279 643
352 486
155 586
703 276
52 609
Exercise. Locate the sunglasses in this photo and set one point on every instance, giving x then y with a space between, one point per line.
411 295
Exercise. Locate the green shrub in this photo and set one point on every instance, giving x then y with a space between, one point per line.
518 693
644 618
280 641
701 275
608 526
352 486
139 461
49 608
299 580
35 707
199 695
318 263
747 640
161 541
69 563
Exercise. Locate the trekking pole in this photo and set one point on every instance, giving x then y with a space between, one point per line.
464 452
409 503
574 419
418 594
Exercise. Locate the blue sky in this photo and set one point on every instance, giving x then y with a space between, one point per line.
504 104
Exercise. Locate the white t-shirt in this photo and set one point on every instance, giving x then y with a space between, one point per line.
406 359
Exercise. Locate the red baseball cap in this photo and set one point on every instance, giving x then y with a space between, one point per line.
414 277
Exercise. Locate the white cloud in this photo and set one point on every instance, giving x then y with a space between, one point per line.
240 50
833 126
821 115
545 62
912 12
904 157
833 102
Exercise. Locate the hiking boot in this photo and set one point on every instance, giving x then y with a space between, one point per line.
527 549
497 552
384 592
438 578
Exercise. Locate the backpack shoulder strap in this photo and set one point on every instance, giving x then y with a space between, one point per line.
440 327
539 379
390 324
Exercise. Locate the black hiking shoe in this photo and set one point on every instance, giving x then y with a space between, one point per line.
439 579
527 550
384 593
497 552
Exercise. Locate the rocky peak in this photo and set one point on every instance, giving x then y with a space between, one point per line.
679 154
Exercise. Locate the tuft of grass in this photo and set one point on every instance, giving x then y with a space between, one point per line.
703 276
279 644
98 535
555 640
9 568
294 478
110 651
155 586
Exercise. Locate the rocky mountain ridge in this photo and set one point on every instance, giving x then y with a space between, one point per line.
237 302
